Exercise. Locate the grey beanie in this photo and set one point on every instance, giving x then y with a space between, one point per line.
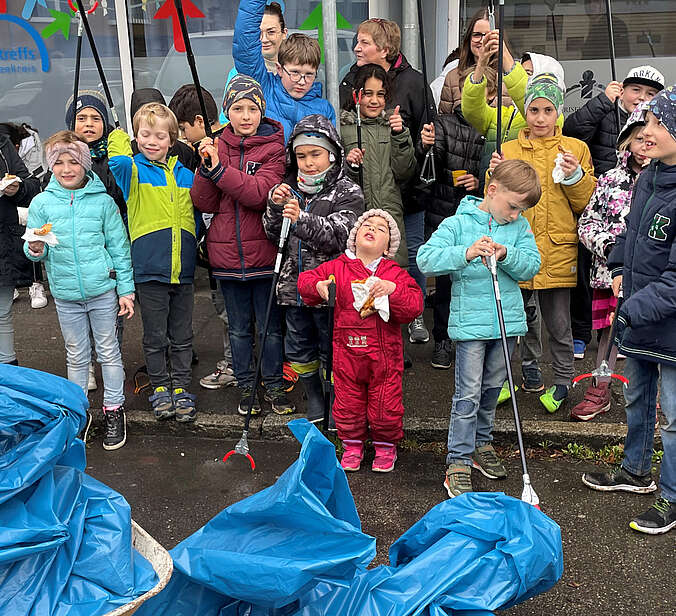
395 235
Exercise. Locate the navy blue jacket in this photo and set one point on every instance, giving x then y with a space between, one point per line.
645 254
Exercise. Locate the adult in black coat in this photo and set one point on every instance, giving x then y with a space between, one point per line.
15 269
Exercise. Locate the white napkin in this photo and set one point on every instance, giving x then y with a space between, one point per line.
557 173
5 182
47 238
361 291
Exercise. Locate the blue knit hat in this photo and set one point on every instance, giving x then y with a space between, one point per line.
663 106
88 98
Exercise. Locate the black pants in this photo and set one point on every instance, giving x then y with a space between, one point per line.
581 298
441 307
166 312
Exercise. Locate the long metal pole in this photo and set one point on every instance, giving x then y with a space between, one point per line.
501 48
613 73
76 82
329 25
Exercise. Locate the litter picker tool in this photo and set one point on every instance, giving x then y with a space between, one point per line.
78 59
97 59
501 47
428 174
613 73
242 447
357 102
603 371
328 377
193 70
528 494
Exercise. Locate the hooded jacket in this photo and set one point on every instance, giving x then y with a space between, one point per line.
603 219
554 218
457 145
248 56
389 161
15 269
236 192
473 314
92 241
160 213
596 124
326 218
645 254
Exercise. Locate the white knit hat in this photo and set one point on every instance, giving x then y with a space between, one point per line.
395 236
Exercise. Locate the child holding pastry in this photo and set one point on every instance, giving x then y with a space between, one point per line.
367 344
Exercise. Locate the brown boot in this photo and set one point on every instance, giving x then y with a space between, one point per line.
596 401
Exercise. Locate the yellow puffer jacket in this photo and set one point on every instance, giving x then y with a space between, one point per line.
554 218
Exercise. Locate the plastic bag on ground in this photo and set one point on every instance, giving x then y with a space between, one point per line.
296 549
65 538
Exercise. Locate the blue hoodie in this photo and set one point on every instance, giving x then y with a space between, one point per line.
248 55
473 313
92 241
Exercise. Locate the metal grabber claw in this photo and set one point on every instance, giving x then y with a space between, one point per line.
603 371
242 448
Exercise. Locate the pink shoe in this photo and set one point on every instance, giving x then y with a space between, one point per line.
353 454
386 456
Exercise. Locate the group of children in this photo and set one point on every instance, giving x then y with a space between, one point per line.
280 156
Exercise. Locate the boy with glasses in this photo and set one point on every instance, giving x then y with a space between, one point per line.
293 91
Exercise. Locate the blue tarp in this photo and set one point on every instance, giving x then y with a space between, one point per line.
65 538
296 549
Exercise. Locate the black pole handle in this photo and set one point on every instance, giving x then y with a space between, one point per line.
328 375
613 73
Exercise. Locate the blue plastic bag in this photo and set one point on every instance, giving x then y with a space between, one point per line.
65 538
296 549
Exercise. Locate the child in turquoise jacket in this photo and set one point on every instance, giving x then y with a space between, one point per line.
89 270
459 247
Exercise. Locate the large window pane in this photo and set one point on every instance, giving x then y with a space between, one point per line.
37 72
157 64
576 33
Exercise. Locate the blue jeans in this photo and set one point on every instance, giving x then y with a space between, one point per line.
307 338
414 225
479 375
100 314
641 401
244 301
7 353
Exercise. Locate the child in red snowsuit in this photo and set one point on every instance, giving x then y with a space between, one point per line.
367 350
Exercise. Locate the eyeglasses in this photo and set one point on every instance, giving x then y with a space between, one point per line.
296 76
478 36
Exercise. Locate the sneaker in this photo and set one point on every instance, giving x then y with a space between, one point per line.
163 405
619 480
244 397
184 405
16 295
386 456
532 378
116 428
37 295
579 348
554 397
91 383
505 394
223 376
458 479
596 401
486 461
441 358
353 454
621 356
279 401
417 332
659 519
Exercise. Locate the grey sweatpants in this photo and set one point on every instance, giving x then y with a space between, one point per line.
554 307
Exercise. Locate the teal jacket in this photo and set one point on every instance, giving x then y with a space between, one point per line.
159 212
92 241
473 310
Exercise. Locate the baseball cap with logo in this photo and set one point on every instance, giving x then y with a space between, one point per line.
646 76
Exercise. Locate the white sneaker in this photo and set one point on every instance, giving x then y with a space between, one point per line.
91 384
37 295
16 295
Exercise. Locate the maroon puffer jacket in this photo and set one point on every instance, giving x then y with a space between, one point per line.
236 191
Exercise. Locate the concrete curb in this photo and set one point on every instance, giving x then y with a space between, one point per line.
425 430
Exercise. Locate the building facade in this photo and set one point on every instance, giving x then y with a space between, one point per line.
136 42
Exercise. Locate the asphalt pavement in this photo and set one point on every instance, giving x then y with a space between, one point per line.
175 485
